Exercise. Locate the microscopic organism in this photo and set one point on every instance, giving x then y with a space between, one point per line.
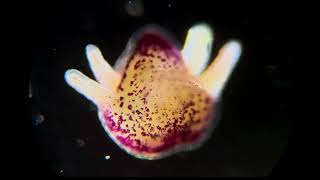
159 98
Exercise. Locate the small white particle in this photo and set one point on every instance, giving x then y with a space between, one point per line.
169 5
107 157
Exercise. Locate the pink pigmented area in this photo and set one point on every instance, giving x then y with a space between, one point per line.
177 135
111 123
145 123
168 143
156 39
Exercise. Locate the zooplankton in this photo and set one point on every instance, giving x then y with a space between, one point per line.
159 98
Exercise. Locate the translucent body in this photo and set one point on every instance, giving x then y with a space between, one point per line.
154 103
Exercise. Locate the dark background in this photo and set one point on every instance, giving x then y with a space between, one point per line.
258 101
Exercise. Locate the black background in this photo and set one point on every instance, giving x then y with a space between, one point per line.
257 109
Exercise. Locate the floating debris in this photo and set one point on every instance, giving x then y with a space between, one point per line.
51 51
37 119
80 142
107 157
30 89
134 8
60 172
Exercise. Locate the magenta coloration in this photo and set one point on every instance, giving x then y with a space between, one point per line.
154 102
150 39
172 133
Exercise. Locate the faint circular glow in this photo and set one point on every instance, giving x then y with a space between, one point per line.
37 119
81 142
134 8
